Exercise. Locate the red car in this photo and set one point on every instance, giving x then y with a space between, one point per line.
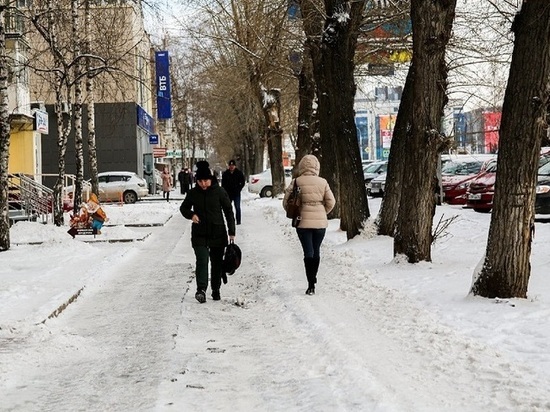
482 188
456 176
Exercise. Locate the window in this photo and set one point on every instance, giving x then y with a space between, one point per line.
462 168
117 178
544 169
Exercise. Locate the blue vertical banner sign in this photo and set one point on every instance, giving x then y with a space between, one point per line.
361 123
460 128
164 100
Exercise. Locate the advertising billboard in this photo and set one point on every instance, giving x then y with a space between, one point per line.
387 123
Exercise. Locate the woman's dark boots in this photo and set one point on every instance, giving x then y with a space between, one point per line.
312 266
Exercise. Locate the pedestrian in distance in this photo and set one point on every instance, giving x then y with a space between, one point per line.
166 184
317 200
184 177
206 205
233 182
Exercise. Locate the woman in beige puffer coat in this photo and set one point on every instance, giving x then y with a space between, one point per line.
317 201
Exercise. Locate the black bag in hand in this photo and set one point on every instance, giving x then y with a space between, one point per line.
293 205
231 260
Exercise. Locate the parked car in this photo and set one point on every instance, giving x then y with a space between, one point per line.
542 198
262 184
373 170
116 186
457 174
482 188
378 185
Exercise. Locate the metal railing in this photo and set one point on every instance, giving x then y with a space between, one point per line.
28 199
69 183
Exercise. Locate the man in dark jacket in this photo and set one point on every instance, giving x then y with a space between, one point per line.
206 204
233 182
184 177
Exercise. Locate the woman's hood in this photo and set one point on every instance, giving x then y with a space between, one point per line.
309 165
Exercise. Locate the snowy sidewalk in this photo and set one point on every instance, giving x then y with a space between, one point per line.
46 269
379 335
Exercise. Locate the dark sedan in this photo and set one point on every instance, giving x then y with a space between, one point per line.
542 202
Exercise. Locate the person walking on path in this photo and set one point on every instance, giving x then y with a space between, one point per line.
202 164
205 205
184 178
233 182
166 184
317 201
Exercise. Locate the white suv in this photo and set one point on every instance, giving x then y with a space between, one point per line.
113 187
128 186
261 183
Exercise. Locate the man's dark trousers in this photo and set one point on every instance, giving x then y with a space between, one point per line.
236 199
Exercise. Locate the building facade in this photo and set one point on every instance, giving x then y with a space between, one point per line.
25 140
123 92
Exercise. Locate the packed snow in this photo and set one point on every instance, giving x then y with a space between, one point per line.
110 322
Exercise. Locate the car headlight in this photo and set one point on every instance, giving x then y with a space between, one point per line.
543 189
463 186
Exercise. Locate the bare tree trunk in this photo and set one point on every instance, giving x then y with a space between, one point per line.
92 149
252 146
256 148
432 24
313 22
389 209
506 269
275 151
4 139
78 141
336 90
271 105
63 119
180 102
63 131
306 94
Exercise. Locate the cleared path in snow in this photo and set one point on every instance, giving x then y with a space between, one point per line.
108 350
354 346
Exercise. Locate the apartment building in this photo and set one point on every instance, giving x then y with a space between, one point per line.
26 124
